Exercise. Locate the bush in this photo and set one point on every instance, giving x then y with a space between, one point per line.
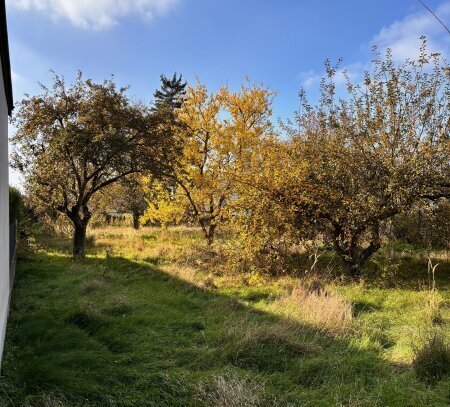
432 361
15 205
425 225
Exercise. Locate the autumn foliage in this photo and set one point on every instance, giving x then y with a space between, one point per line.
344 167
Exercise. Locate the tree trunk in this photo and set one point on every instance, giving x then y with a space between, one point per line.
208 230
210 234
353 255
136 223
348 255
79 239
353 268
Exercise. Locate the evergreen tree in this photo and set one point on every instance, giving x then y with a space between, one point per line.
171 93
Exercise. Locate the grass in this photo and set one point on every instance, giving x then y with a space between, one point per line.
152 318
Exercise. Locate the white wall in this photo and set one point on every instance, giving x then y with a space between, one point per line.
4 215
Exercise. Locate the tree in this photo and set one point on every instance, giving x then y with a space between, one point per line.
426 224
73 141
15 205
371 155
264 229
218 133
171 93
128 196
166 202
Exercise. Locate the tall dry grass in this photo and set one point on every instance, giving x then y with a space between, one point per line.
230 390
434 302
432 359
324 309
247 333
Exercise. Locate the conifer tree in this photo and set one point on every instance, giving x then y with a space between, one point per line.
171 93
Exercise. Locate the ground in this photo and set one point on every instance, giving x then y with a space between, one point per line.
148 319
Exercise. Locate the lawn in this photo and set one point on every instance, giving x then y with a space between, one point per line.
151 319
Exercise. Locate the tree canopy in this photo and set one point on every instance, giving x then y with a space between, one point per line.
336 174
373 154
72 141
171 92
218 133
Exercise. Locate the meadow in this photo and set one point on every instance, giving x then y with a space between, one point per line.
155 318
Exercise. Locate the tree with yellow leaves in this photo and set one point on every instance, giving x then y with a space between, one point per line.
219 134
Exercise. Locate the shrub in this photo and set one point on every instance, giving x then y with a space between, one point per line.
15 205
432 361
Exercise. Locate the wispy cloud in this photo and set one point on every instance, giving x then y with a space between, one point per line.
28 67
312 78
15 76
403 36
95 14
309 78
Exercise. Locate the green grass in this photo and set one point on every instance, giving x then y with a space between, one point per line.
148 320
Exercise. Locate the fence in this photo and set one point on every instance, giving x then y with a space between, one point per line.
12 251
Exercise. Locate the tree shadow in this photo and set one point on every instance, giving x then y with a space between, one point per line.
401 272
125 333
364 307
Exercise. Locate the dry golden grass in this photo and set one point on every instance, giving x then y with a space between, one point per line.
149 243
434 303
324 309
47 401
229 390
92 285
172 250
248 333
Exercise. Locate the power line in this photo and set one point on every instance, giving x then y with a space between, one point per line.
435 16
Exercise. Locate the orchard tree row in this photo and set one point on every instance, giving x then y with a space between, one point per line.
338 172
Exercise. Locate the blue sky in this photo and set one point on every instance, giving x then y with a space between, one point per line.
281 43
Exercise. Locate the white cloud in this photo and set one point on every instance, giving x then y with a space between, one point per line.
95 14
403 36
354 72
15 76
312 78
309 78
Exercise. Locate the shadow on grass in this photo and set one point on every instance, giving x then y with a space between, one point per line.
123 333
407 272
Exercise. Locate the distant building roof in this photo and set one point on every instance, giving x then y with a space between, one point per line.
4 53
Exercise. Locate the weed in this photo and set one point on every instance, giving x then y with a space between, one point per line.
265 345
119 305
432 360
433 305
87 315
